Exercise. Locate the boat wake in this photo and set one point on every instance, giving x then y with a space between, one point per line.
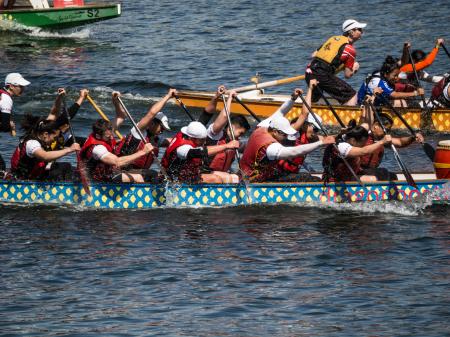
73 33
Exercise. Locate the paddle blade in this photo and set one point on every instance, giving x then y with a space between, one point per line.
81 168
429 150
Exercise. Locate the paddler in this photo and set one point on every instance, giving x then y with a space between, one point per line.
370 163
186 156
102 163
14 86
264 150
336 54
33 159
351 145
155 122
219 133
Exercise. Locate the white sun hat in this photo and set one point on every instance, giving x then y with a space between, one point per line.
352 24
195 130
311 120
162 118
16 79
282 124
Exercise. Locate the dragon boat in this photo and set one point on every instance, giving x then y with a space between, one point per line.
264 105
148 196
63 14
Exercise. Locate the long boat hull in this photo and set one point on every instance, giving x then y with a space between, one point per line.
265 105
58 18
146 196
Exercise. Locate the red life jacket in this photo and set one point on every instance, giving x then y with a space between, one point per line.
97 169
374 159
223 160
254 162
293 165
437 93
125 148
184 170
24 167
335 168
2 91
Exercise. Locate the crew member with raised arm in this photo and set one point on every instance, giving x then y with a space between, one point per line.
154 123
186 155
103 165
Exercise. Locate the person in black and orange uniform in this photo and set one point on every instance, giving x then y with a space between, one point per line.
219 133
185 157
264 150
370 163
337 54
103 165
351 146
155 122
33 159
14 86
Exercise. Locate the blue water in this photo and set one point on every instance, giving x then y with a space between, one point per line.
360 270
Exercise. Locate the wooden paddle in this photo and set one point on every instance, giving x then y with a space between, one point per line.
81 167
341 123
184 108
102 114
400 163
322 128
427 148
144 140
238 156
268 84
247 108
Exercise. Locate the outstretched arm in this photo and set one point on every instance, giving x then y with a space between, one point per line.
222 119
155 108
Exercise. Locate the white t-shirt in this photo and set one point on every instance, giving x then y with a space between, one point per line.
99 152
211 135
6 104
183 150
344 149
31 146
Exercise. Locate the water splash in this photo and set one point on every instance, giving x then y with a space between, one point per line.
74 33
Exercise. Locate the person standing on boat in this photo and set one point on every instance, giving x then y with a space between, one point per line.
351 145
336 54
264 150
219 133
102 163
155 122
14 86
186 156
33 159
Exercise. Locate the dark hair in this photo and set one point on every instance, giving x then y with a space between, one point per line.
390 64
34 125
418 55
100 127
385 119
358 133
240 121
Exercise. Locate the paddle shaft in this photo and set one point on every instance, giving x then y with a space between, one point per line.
269 84
102 114
322 128
401 164
247 108
341 123
141 135
445 49
424 102
184 108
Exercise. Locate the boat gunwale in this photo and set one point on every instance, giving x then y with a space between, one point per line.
53 9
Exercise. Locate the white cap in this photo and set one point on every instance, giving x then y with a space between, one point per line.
195 130
352 24
311 120
282 124
16 79
161 117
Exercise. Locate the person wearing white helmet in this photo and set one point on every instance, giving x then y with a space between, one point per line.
185 157
264 150
14 86
155 122
337 54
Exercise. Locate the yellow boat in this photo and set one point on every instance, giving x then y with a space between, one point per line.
264 105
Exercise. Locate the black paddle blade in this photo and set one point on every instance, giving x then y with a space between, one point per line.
429 150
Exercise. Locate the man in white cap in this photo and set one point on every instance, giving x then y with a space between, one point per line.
260 161
155 122
14 86
185 157
337 54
